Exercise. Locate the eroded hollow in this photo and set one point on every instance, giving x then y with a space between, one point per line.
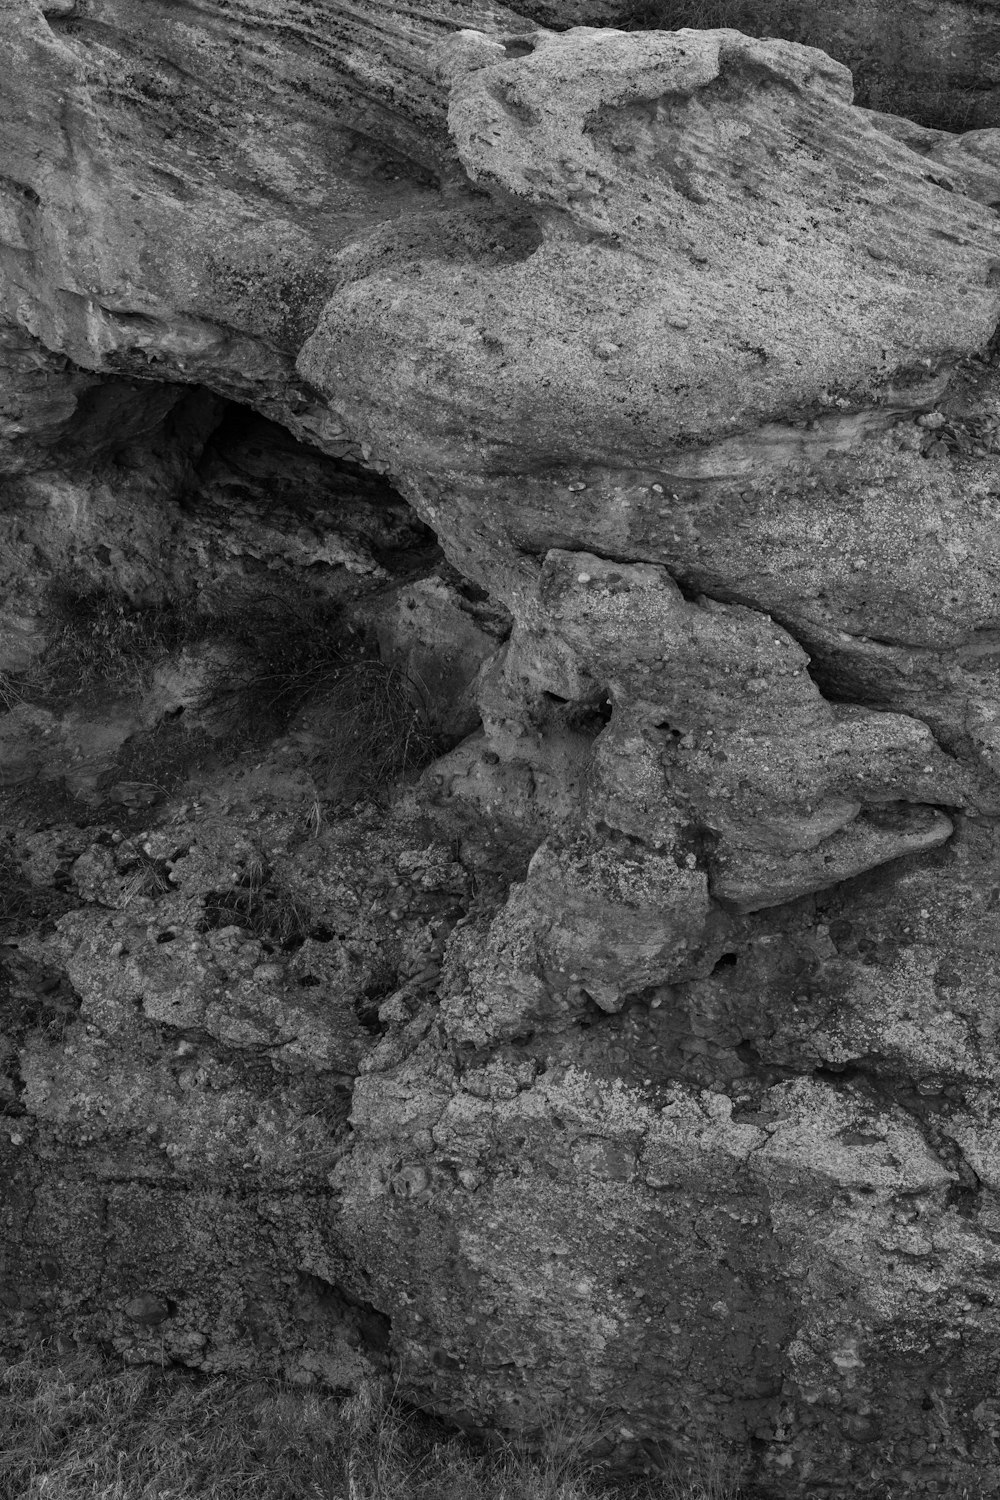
184 574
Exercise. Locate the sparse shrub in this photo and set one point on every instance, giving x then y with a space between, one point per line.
373 726
292 643
804 21
396 1455
931 99
367 712
260 906
713 1476
315 673
369 715
100 640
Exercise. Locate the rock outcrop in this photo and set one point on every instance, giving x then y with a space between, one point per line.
934 60
500 734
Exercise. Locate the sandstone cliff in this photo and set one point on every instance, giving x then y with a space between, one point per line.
500 721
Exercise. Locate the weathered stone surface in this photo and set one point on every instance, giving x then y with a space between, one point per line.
935 60
821 1282
642 1056
185 1051
748 260
175 193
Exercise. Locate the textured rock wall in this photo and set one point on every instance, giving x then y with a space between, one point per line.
637 395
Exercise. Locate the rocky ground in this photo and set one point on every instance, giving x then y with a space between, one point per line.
500 721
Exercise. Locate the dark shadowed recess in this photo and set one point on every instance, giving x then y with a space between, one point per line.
215 586
228 469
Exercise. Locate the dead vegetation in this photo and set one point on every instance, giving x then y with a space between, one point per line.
366 718
372 728
100 640
24 907
76 1428
10 692
259 905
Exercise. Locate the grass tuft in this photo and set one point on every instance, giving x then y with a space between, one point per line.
100 639
261 907
290 657
76 1428
373 726
75 1431
365 717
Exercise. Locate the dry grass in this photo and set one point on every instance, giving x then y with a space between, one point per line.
10 692
99 639
793 19
373 726
23 906
76 1429
260 906
368 714
393 1457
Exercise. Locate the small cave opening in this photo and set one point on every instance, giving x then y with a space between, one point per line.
179 494
251 463
211 574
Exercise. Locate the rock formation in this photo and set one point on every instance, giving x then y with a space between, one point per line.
932 60
500 749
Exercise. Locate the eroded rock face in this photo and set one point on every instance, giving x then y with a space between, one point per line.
640 1056
932 59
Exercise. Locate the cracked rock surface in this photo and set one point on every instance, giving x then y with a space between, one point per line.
500 725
